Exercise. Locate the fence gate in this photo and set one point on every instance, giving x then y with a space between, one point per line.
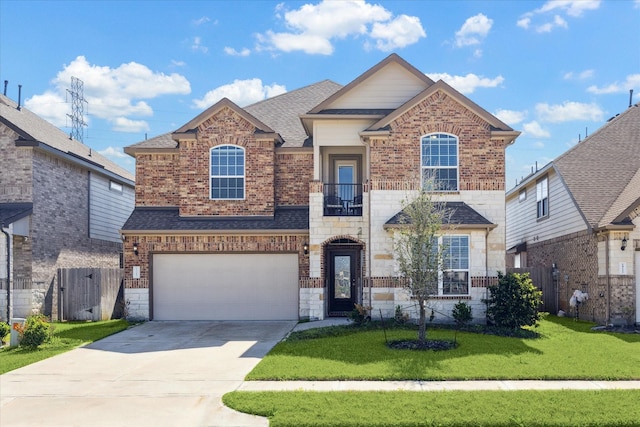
543 280
88 293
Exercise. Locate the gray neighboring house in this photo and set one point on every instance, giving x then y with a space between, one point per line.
580 217
61 206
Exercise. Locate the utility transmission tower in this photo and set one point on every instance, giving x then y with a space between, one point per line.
77 109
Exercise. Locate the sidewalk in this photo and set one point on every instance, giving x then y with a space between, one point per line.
505 385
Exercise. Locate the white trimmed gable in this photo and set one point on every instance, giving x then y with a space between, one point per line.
388 88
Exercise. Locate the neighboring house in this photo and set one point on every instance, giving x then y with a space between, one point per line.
286 209
61 206
579 216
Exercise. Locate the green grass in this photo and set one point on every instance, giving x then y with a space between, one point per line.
66 336
565 350
450 408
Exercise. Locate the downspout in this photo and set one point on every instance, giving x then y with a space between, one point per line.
606 257
8 275
369 282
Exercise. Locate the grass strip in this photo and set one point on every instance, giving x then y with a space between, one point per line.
66 336
448 408
565 349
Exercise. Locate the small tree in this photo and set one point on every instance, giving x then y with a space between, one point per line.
420 258
514 301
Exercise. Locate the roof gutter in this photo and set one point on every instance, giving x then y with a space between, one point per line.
252 232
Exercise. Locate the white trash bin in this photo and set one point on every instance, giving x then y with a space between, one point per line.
15 335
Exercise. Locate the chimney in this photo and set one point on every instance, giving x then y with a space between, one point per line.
19 96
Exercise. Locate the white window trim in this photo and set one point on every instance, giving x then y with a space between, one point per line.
244 175
433 168
467 270
541 197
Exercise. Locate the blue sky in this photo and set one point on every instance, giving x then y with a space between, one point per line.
554 70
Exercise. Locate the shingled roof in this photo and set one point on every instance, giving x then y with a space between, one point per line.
460 215
150 219
34 130
281 113
12 212
603 171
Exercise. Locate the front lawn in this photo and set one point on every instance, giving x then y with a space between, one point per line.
66 336
449 408
565 350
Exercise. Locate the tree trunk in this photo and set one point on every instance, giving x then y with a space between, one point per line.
422 325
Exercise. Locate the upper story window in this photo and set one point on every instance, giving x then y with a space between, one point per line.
440 160
542 197
115 186
227 172
522 195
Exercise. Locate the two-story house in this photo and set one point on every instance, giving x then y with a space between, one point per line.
579 216
286 209
61 206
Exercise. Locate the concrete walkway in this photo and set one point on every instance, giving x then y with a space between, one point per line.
508 385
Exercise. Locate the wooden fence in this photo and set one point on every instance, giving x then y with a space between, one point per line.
88 293
542 278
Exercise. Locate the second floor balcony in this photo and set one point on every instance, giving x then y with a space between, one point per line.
342 199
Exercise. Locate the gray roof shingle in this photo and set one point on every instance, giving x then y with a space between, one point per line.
32 127
602 172
168 219
460 214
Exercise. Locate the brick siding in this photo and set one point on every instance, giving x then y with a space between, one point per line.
157 179
226 127
293 173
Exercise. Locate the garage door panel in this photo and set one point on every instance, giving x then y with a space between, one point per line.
225 286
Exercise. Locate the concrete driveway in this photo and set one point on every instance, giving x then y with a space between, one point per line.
155 374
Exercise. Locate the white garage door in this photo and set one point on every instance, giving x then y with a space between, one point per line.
225 286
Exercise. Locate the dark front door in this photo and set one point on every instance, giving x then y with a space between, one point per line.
342 281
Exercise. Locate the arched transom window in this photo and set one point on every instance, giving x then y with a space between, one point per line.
227 172
440 161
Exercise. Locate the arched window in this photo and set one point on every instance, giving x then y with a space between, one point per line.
440 161
227 172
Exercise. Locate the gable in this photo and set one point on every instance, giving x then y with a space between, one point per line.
387 85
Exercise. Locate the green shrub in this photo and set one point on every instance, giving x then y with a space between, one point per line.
4 331
513 302
360 314
36 331
462 314
400 317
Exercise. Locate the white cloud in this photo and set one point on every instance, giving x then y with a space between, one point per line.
176 63
571 7
114 153
469 83
232 52
200 21
631 82
569 111
637 4
557 8
314 27
197 45
474 30
511 117
558 22
538 144
535 130
242 92
123 124
112 94
583 75
398 33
